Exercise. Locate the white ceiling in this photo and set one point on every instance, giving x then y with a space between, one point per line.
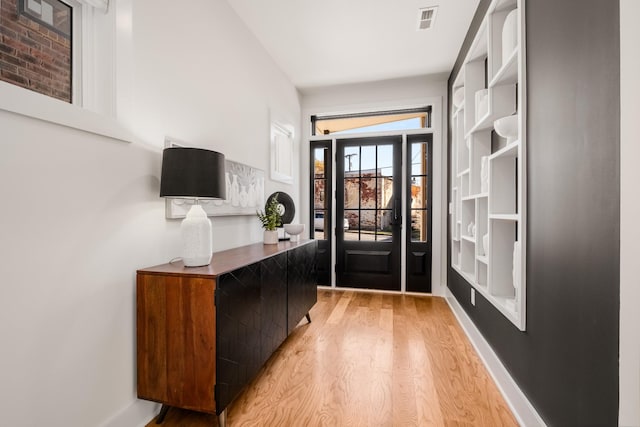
328 42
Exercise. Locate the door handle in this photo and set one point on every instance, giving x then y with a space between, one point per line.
397 210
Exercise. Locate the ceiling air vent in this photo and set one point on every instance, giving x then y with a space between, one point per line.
426 17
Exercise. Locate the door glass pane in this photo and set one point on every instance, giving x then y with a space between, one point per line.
367 224
368 164
319 198
419 228
383 226
418 192
351 159
368 193
385 160
419 159
318 162
351 193
385 193
321 225
351 225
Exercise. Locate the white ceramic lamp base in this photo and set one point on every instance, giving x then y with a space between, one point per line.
197 243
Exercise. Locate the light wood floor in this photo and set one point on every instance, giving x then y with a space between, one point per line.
368 359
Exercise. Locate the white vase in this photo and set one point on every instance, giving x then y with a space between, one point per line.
458 97
270 237
294 231
482 103
509 35
485 244
484 174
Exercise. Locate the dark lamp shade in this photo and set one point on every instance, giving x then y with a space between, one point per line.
192 173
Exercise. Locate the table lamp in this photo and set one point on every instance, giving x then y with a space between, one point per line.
195 174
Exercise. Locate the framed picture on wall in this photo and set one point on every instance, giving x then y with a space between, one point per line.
245 191
282 153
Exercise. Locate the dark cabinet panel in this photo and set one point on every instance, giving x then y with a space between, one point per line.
238 333
273 300
302 278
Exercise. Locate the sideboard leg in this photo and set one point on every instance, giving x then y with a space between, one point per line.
308 318
162 414
222 419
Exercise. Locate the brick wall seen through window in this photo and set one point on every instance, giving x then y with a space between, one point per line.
34 54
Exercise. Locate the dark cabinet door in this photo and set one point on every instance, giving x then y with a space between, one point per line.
302 279
273 300
238 328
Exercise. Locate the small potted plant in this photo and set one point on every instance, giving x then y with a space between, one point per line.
270 219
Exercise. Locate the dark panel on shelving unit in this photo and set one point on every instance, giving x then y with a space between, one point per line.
567 360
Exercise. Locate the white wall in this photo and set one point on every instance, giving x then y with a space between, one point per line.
381 95
630 212
80 212
209 82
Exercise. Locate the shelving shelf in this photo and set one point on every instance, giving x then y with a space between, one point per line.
488 172
508 73
511 150
505 217
468 238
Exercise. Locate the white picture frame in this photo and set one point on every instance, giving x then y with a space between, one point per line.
245 192
282 153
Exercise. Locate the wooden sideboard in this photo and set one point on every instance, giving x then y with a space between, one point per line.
203 333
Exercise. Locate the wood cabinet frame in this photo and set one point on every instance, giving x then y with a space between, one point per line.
204 333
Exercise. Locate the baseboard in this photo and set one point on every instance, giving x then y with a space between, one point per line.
522 409
138 414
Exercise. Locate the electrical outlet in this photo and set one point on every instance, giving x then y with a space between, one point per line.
473 297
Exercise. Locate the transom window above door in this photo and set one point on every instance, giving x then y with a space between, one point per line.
380 121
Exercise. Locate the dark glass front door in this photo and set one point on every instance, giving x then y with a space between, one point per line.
368 212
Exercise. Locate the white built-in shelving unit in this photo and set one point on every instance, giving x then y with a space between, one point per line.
489 86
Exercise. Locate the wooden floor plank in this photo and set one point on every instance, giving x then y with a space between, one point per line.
368 359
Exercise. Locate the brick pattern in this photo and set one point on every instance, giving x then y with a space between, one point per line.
32 56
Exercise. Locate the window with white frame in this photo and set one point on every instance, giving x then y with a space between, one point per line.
57 52
41 45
